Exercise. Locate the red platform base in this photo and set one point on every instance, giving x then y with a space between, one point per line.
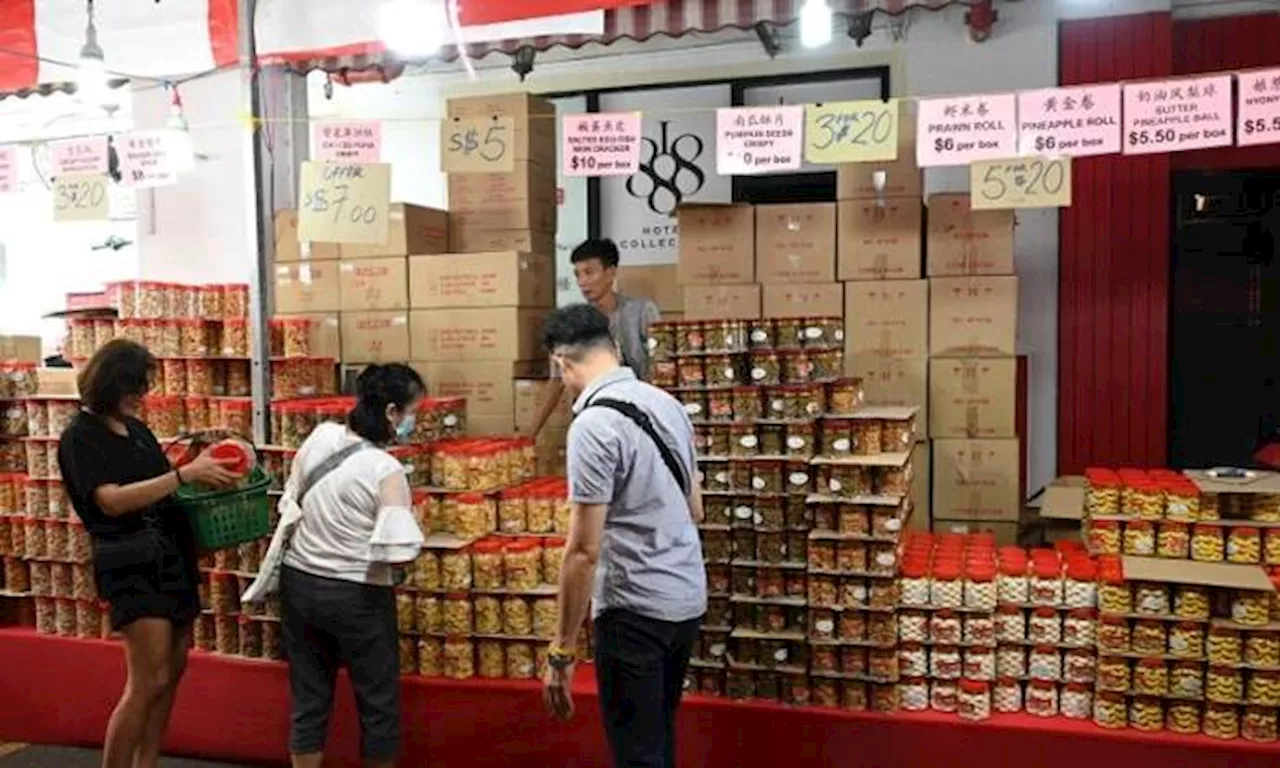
61 691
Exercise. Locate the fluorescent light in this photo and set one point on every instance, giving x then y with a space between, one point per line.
815 24
91 75
412 28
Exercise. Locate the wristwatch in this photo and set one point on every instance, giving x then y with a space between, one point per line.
559 658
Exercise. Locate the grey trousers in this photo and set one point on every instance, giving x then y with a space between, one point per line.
328 624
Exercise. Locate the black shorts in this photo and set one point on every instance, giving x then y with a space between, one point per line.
146 575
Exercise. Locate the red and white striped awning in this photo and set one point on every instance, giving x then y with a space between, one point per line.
40 39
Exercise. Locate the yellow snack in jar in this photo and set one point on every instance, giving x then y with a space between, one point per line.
486 564
427 616
517 617
426 571
1150 676
1271 546
1186 679
1186 640
544 617
1259 724
1208 544
1244 545
1251 607
1114 596
406 612
552 559
1262 649
1149 637
1146 713
1225 646
541 510
455 569
1191 602
408 655
492 659
488 615
1263 688
1224 684
459 658
520 661
522 564
1182 717
1221 721
456 614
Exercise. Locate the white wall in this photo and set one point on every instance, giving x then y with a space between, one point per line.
197 231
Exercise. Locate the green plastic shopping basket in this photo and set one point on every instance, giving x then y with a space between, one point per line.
222 519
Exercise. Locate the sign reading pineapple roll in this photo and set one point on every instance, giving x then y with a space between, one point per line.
1024 182
478 145
344 202
80 197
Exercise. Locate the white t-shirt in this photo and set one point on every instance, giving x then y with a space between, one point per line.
339 513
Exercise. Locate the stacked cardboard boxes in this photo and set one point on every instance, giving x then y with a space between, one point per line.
358 294
972 371
879 223
717 267
476 310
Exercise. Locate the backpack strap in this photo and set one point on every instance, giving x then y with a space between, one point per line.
642 420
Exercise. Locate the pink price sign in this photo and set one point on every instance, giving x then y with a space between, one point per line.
1176 115
601 144
752 140
347 141
8 170
1258 107
86 155
959 130
1073 122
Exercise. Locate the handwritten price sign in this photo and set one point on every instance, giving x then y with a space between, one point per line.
1028 182
80 197
478 145
851 132
344 202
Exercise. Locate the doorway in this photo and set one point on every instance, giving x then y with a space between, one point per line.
1225 318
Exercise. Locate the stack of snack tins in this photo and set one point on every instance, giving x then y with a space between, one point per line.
988 630
1188 638
879 236
973 308
47 577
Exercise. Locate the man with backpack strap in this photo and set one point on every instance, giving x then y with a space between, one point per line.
633 551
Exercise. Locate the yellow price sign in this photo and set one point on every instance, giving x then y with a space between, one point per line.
1025 182
851 132
478 145
81 197
344 202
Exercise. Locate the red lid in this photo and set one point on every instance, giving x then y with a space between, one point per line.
1114 619
1079 687
1245 530
1006 681
1145 525
457 596
1082 570
1151 663
974 686
1044 649
489 546
469 498
1046 612
1043 685
420 495
522 545
1086 614
1008 608
1013 567
947 571
913 569
981 571
1210 530
1046 569
553 542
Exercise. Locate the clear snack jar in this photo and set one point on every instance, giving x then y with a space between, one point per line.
486 564
1244 545
459 658
1182 716
1224 684
1042 698
235 301
200 377
520 660
946 589
1259 724
37 495
65 617
1012 582
61 412
1044 626
1146 713
1080 589
980 586
945 662
46 616
1140 538
544 617
1208 544
456 614
455 569
1173 540
552 559
1044 662
1077 701
1080 627
1263 688
1221 721
1113 674
13 418
1114 595
38 458
1191 602
913 694
913 660
944 695
517 617
979 663
1011 624
487 615
1104 536
979 629
1006 696
522 564
974 702
88 619
1149 637
1186 640
1262 649
1186 679
37 418
1251 608
913 626
1150 676
1011 661
1151 598
34 536
1224 646
1046 586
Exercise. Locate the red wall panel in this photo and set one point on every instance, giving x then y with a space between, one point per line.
1114 267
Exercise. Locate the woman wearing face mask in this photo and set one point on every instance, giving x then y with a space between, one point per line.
354 527
144 557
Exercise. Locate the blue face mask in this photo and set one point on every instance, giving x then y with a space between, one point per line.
404 430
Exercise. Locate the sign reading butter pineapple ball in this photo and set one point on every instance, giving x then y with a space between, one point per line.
344 202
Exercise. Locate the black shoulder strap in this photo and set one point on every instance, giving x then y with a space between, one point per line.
322 470
642 420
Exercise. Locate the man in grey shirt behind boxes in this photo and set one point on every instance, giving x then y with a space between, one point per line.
633 545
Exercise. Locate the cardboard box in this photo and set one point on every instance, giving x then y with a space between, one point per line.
721 302
973 397
289 250
374 284
57 382
921 484
888 317
535 121
487 386
899 381
522 199
660 283
1256 482
1225 575
504 278
551 458
976 480
1064 499
22 349
529 396
796 243
498 333
717 244
1006 534
326 337
974 316
475 240
375 337
307 287
803 300
490 426
879 240
411 229
893 178
967 242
